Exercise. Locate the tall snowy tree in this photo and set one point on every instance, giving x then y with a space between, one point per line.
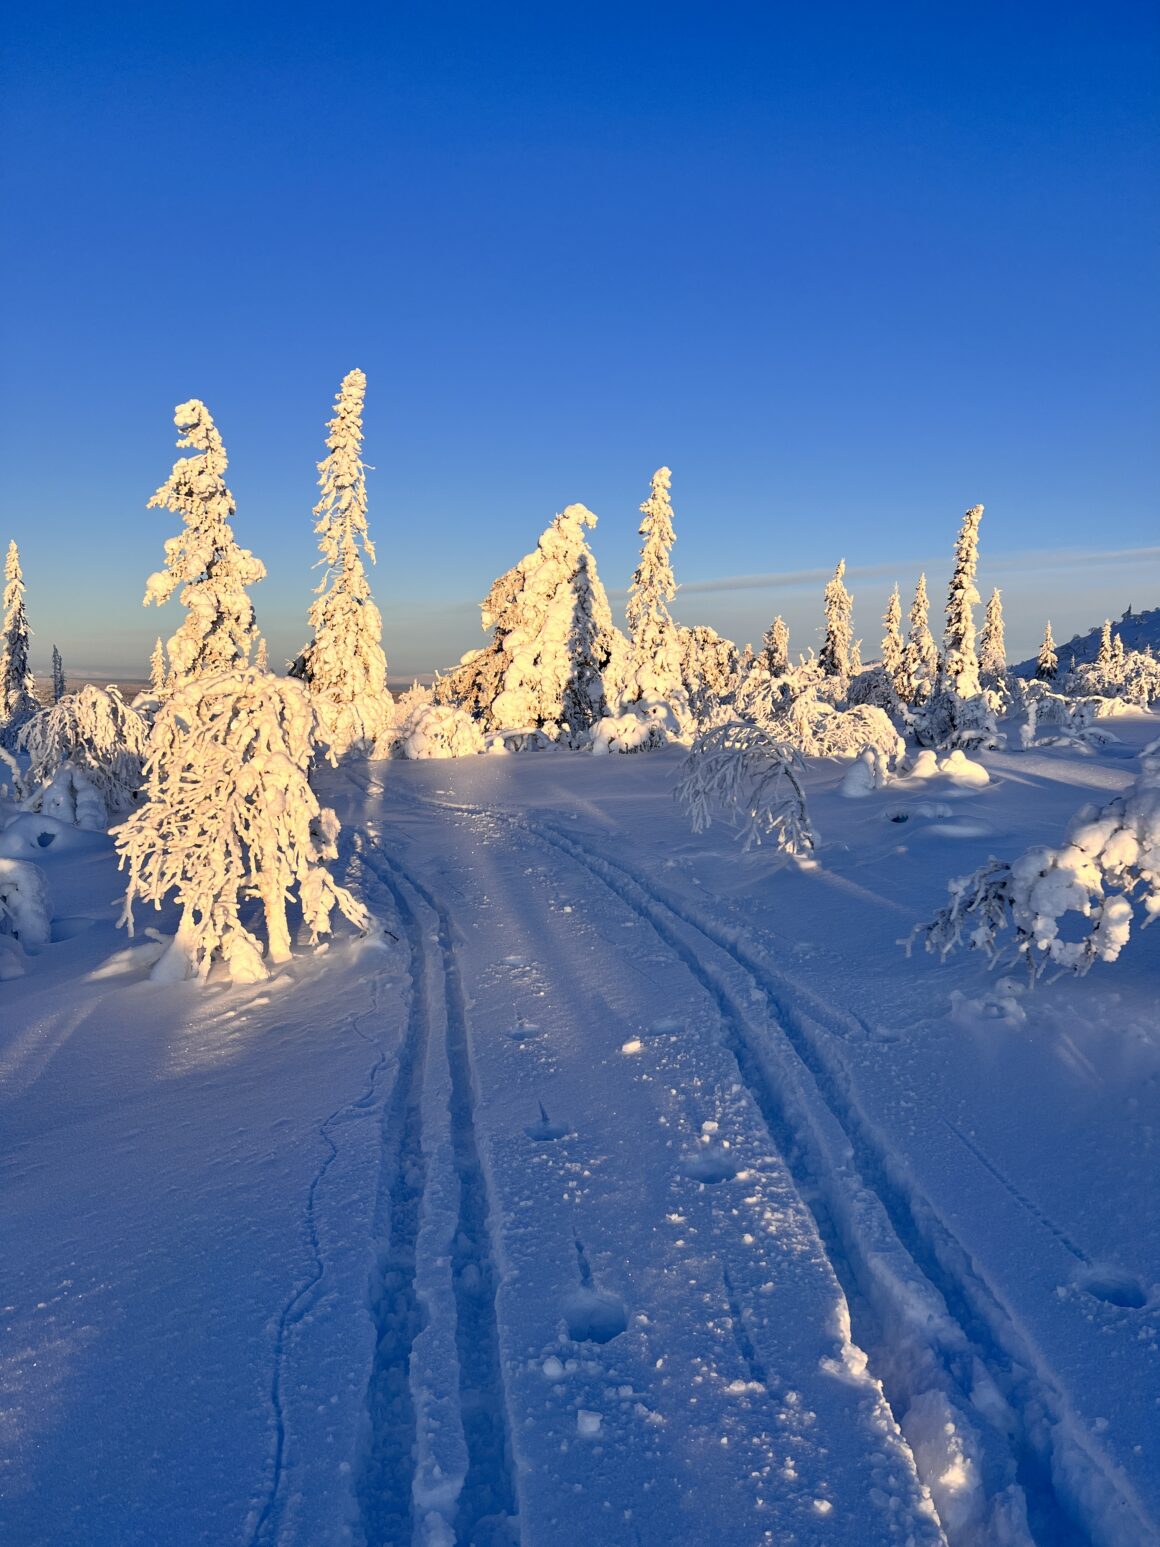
204 560
231 819
775 647
1104 653
344 663
17 689
893 649
835 657
960 664
992 645
57 676
552 641
654 667
1047 662
921 651
158 674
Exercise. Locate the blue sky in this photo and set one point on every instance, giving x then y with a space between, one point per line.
846 269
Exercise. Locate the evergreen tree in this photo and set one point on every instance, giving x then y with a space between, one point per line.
959 672
552 643
262 655
158 675
204 560
1047 663
344 663
921 653
57 676
893 649
1104 653
835 656
655 660
18 700
1118 658
992 645
775 647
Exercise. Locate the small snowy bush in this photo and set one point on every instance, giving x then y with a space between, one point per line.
629 733
817 729
1109 863
25 904
90 743
437 730
745 775
230 817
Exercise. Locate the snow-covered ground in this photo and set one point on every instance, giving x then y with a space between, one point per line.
639 1192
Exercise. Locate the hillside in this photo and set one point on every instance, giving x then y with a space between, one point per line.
1138 630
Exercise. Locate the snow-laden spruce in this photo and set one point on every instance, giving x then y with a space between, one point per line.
1047 662
231 817
204 563
836 656
957 713
775 647
654 662
58 688
553 642
710 666
344 664
747 776
86 755
18 701
893 647
921 651
992 645
1108 866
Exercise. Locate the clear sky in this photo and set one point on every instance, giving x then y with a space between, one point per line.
847 269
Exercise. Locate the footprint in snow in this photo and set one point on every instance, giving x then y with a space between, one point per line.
1113 1286
592 1316
710 1165
523 1033
546 1129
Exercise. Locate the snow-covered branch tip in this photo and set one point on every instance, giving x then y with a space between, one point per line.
744 775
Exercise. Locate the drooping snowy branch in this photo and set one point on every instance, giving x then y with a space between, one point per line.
231 816
753 781
204 563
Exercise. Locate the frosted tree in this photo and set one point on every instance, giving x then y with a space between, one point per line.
85 757
654 668
158 673
893 649
992 645
1118 658
835 657
57 676
344 663
921 652
552 641
204 562
1047 662
754 780
1104 653
18 700
230 818
960 664
775 647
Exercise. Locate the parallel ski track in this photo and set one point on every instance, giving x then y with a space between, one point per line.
988 1332
488 1492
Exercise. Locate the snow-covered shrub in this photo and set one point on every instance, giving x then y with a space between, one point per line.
1108 865
9 765
553 642
204 561
1072 719
873 686
500 742
817 729
90 742
629 732
1133 675
344 663
25 904
867 773
744 774
72 798
231 816
709 666
437 730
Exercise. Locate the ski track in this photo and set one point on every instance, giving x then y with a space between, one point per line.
1071 1490
300 1302
482 1497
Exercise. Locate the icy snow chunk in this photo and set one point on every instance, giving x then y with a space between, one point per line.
553 1369
588 1424
961 769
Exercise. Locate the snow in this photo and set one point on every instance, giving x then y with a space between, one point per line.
639 1191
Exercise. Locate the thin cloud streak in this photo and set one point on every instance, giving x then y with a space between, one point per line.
1013 563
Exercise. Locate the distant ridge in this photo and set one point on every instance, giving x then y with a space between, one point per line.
1138 630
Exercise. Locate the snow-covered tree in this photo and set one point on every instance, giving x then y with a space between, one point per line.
747 775
1118 658
960 665
86 754
1108 865
18 700
775 647
1047 662
344 663
230 817
992 646
1103 659
57 676
893 649
835 656
158 672
552 642
710 670
921 652
204 562
654 668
